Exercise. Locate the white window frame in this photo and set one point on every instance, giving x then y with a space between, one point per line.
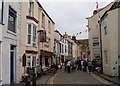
27 60
34 63
31 60
29 34
32 36
30 10
106 56
43 20
49 26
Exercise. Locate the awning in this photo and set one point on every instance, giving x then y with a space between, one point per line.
46 53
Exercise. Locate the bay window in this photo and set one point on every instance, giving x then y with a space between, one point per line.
31 60
31 35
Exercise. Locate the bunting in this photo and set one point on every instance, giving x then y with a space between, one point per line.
85 31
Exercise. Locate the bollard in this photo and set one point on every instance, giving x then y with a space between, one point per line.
34 80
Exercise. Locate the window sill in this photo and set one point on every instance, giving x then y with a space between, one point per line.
28 45
10 32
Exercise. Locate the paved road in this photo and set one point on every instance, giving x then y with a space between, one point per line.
78 77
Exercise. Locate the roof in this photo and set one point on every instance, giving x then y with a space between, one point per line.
103 10
115 5
44 11
58 33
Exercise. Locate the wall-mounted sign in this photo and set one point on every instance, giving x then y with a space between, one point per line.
42 35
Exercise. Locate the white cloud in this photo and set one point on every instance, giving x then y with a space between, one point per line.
71 17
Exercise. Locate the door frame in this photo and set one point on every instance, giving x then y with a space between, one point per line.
14 64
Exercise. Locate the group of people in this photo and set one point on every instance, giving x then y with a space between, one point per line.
83 65
53 67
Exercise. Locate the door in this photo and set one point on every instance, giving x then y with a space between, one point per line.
12 64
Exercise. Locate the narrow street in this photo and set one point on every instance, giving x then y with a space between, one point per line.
79 78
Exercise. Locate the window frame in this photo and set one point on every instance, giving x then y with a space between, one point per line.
33 35
105 25
31 60
106 56
43 20
30 9
13 14
29 34
49 26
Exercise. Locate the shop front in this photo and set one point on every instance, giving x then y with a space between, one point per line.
46 58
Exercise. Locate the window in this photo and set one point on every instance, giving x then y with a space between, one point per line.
105 30
34 36
62 49
43 20
31 34
31 60
49 27
105 56
49 41
30 8
34 61
12 20
65 49
105 26
28 61
95 41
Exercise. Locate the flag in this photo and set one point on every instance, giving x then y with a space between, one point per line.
96 5
97 8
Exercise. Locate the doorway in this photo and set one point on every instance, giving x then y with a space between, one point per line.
12 64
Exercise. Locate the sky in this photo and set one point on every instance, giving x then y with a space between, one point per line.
70 15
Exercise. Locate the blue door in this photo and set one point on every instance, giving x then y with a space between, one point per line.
11 67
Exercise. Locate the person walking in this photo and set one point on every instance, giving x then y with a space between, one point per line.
68 66
82 67
89 66
85 64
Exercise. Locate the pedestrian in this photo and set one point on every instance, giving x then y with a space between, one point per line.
89 66
85 64
68 66
93 65
44 69
82 67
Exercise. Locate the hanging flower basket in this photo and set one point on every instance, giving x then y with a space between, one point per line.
26 77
